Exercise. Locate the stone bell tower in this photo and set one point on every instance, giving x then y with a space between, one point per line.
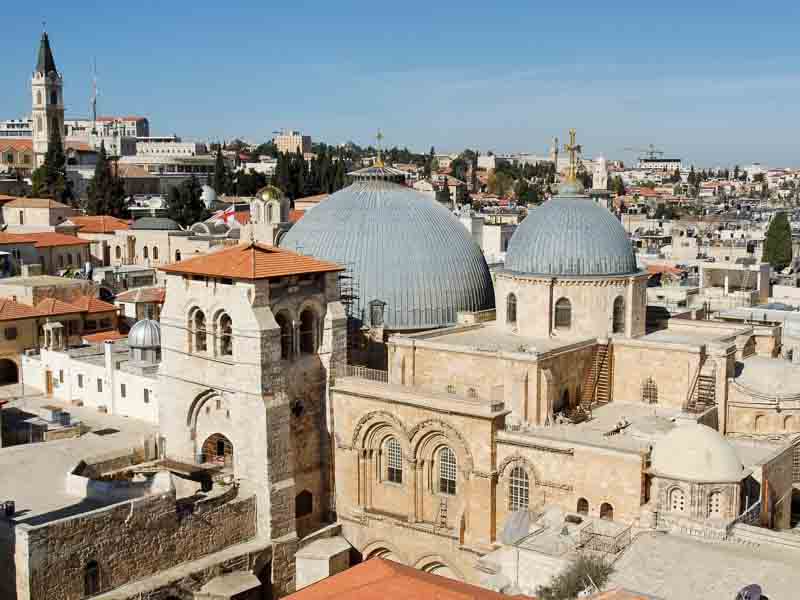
48 101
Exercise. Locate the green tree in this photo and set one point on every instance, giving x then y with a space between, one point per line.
618 186
778 243
184 205
106 191
583 572
221 180
50 179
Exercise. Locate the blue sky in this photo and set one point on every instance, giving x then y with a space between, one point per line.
713 82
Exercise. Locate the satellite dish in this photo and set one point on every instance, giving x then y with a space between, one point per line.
749 592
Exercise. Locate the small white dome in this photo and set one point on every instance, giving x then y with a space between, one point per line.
696 453
208 196
145 334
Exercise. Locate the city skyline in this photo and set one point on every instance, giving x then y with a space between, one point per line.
711 95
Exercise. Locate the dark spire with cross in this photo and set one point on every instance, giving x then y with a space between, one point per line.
45 63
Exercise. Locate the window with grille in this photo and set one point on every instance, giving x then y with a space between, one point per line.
394 461
714 504
677 501
649 391
618 325
511 309
519 490
447 471
563 318
123 390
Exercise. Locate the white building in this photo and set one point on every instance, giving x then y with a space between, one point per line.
292 141
16 128
660 164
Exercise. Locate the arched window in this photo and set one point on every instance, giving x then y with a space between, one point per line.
198 324
677 501
91 578
715 504
606 511
270 213
39 119
177 256
145 252
563 314
303 504
39 102
447 471
394 461
155 252
758 424
286 336
308 334
518 490
583 506
618 325
218 449
225 326
118 252
511 309
649 391
787 423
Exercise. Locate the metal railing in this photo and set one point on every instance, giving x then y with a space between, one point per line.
591 539
362 373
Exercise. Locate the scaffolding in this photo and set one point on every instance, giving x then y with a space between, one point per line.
348 295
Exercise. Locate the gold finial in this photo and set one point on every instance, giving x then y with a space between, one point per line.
379 160
574 150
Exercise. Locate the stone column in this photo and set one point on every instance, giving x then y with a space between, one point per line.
419 490
411 489
480 504
726 284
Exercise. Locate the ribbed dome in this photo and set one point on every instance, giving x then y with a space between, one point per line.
402 248
573 236
145 334
696 453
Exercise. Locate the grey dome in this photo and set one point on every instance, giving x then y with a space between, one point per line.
402 248
571 235
155 224
145 334
695 452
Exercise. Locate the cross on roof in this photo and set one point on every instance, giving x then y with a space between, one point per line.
379 138
574 150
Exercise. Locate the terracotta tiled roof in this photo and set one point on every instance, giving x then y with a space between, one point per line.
52 306
11 310
90 304
15 238
35 203
296 215
20 145
99 224
251 261
50 239
242 216
143 294
621 594
96 338
377 579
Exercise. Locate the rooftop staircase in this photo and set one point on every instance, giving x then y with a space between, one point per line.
596 388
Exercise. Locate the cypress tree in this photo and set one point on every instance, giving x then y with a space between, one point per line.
778 243
220 184
106 191
50 179
184 205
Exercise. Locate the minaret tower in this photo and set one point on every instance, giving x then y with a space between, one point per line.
48 101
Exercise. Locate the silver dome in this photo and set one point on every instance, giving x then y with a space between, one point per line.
402 248
145 334
571 235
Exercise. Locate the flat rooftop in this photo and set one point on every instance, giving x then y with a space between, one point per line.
42 281
673 566
34 475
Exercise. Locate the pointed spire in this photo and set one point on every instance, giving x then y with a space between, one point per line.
45 63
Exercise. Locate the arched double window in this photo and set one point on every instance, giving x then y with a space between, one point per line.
618 318
155 252
177 256
563 317
511 309
91 578
677 501
308 332
225 329
286 336
394 461
518 490
197 325
715 504
447 471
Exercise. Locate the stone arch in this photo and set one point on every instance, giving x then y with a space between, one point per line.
383 549
676 499
715 502
197 404
368 429
217 448
618 315
309 330
91 578
437 564
517 460
9 371
562 319
788 423
582 506
759 422
607 511
426 437
283 319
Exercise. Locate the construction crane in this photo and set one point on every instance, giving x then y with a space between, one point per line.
650 152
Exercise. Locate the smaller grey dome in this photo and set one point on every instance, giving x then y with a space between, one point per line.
695 452
155 224
208 196
145 335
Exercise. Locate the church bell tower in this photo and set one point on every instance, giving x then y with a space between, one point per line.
48 101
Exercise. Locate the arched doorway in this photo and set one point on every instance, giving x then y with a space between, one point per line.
217 449
8 372
606 511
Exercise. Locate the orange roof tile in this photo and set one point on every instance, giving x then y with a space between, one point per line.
49 239
11 310
377 579
99 224
143 294
251 261
296 215
20 145
35 203
52 306
15 238
96 338
90 304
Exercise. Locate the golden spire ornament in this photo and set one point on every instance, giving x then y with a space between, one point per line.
574 151
379 160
